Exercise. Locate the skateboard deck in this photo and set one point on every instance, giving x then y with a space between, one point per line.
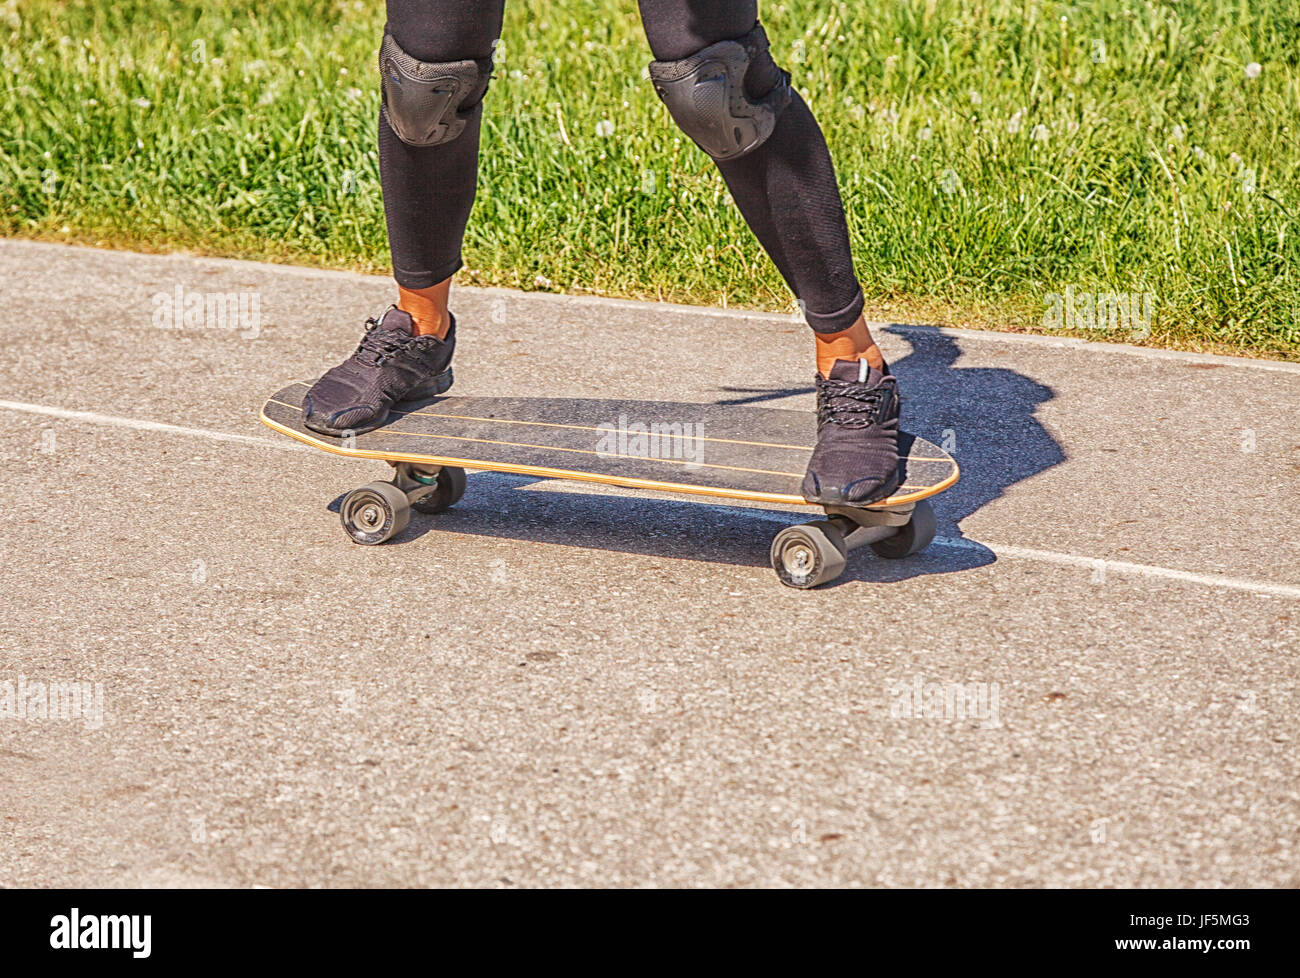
726 451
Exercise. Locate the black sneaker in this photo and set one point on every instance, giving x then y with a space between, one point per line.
391 365
855 462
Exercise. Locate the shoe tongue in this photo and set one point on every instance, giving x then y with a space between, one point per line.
852 370
397 320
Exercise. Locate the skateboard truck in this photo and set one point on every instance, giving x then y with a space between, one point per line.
378 511
810 554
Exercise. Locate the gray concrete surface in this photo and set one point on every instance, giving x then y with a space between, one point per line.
554 685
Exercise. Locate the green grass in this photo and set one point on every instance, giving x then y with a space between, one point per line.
990 153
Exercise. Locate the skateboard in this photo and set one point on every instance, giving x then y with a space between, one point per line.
714 450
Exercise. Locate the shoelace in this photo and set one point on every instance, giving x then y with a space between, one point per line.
850 404
380 345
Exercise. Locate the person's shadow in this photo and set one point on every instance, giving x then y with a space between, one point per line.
983 416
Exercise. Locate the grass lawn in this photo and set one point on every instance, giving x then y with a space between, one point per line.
992 155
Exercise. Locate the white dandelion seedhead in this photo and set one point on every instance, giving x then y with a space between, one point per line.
604 128
1253 69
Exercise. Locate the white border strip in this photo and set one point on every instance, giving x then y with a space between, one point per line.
1096 564
91 417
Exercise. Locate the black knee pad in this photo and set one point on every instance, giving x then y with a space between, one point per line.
728 96
429 104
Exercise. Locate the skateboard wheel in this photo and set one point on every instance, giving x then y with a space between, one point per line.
913 537
374 513
448 487
809 554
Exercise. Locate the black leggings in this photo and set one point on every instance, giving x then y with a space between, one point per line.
785 188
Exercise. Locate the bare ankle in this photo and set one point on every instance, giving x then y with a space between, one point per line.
854 343
427 308
426 325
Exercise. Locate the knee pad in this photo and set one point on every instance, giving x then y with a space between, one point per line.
728 96
429 104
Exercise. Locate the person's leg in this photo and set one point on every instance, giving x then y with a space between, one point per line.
716 74
784 186
434 63
428 172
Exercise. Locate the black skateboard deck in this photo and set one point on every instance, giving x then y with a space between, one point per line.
727 451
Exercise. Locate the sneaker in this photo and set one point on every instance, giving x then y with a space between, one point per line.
392 364
855 462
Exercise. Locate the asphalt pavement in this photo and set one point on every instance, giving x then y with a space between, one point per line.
1090 679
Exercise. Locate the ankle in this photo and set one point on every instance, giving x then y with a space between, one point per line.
427 308
854 343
